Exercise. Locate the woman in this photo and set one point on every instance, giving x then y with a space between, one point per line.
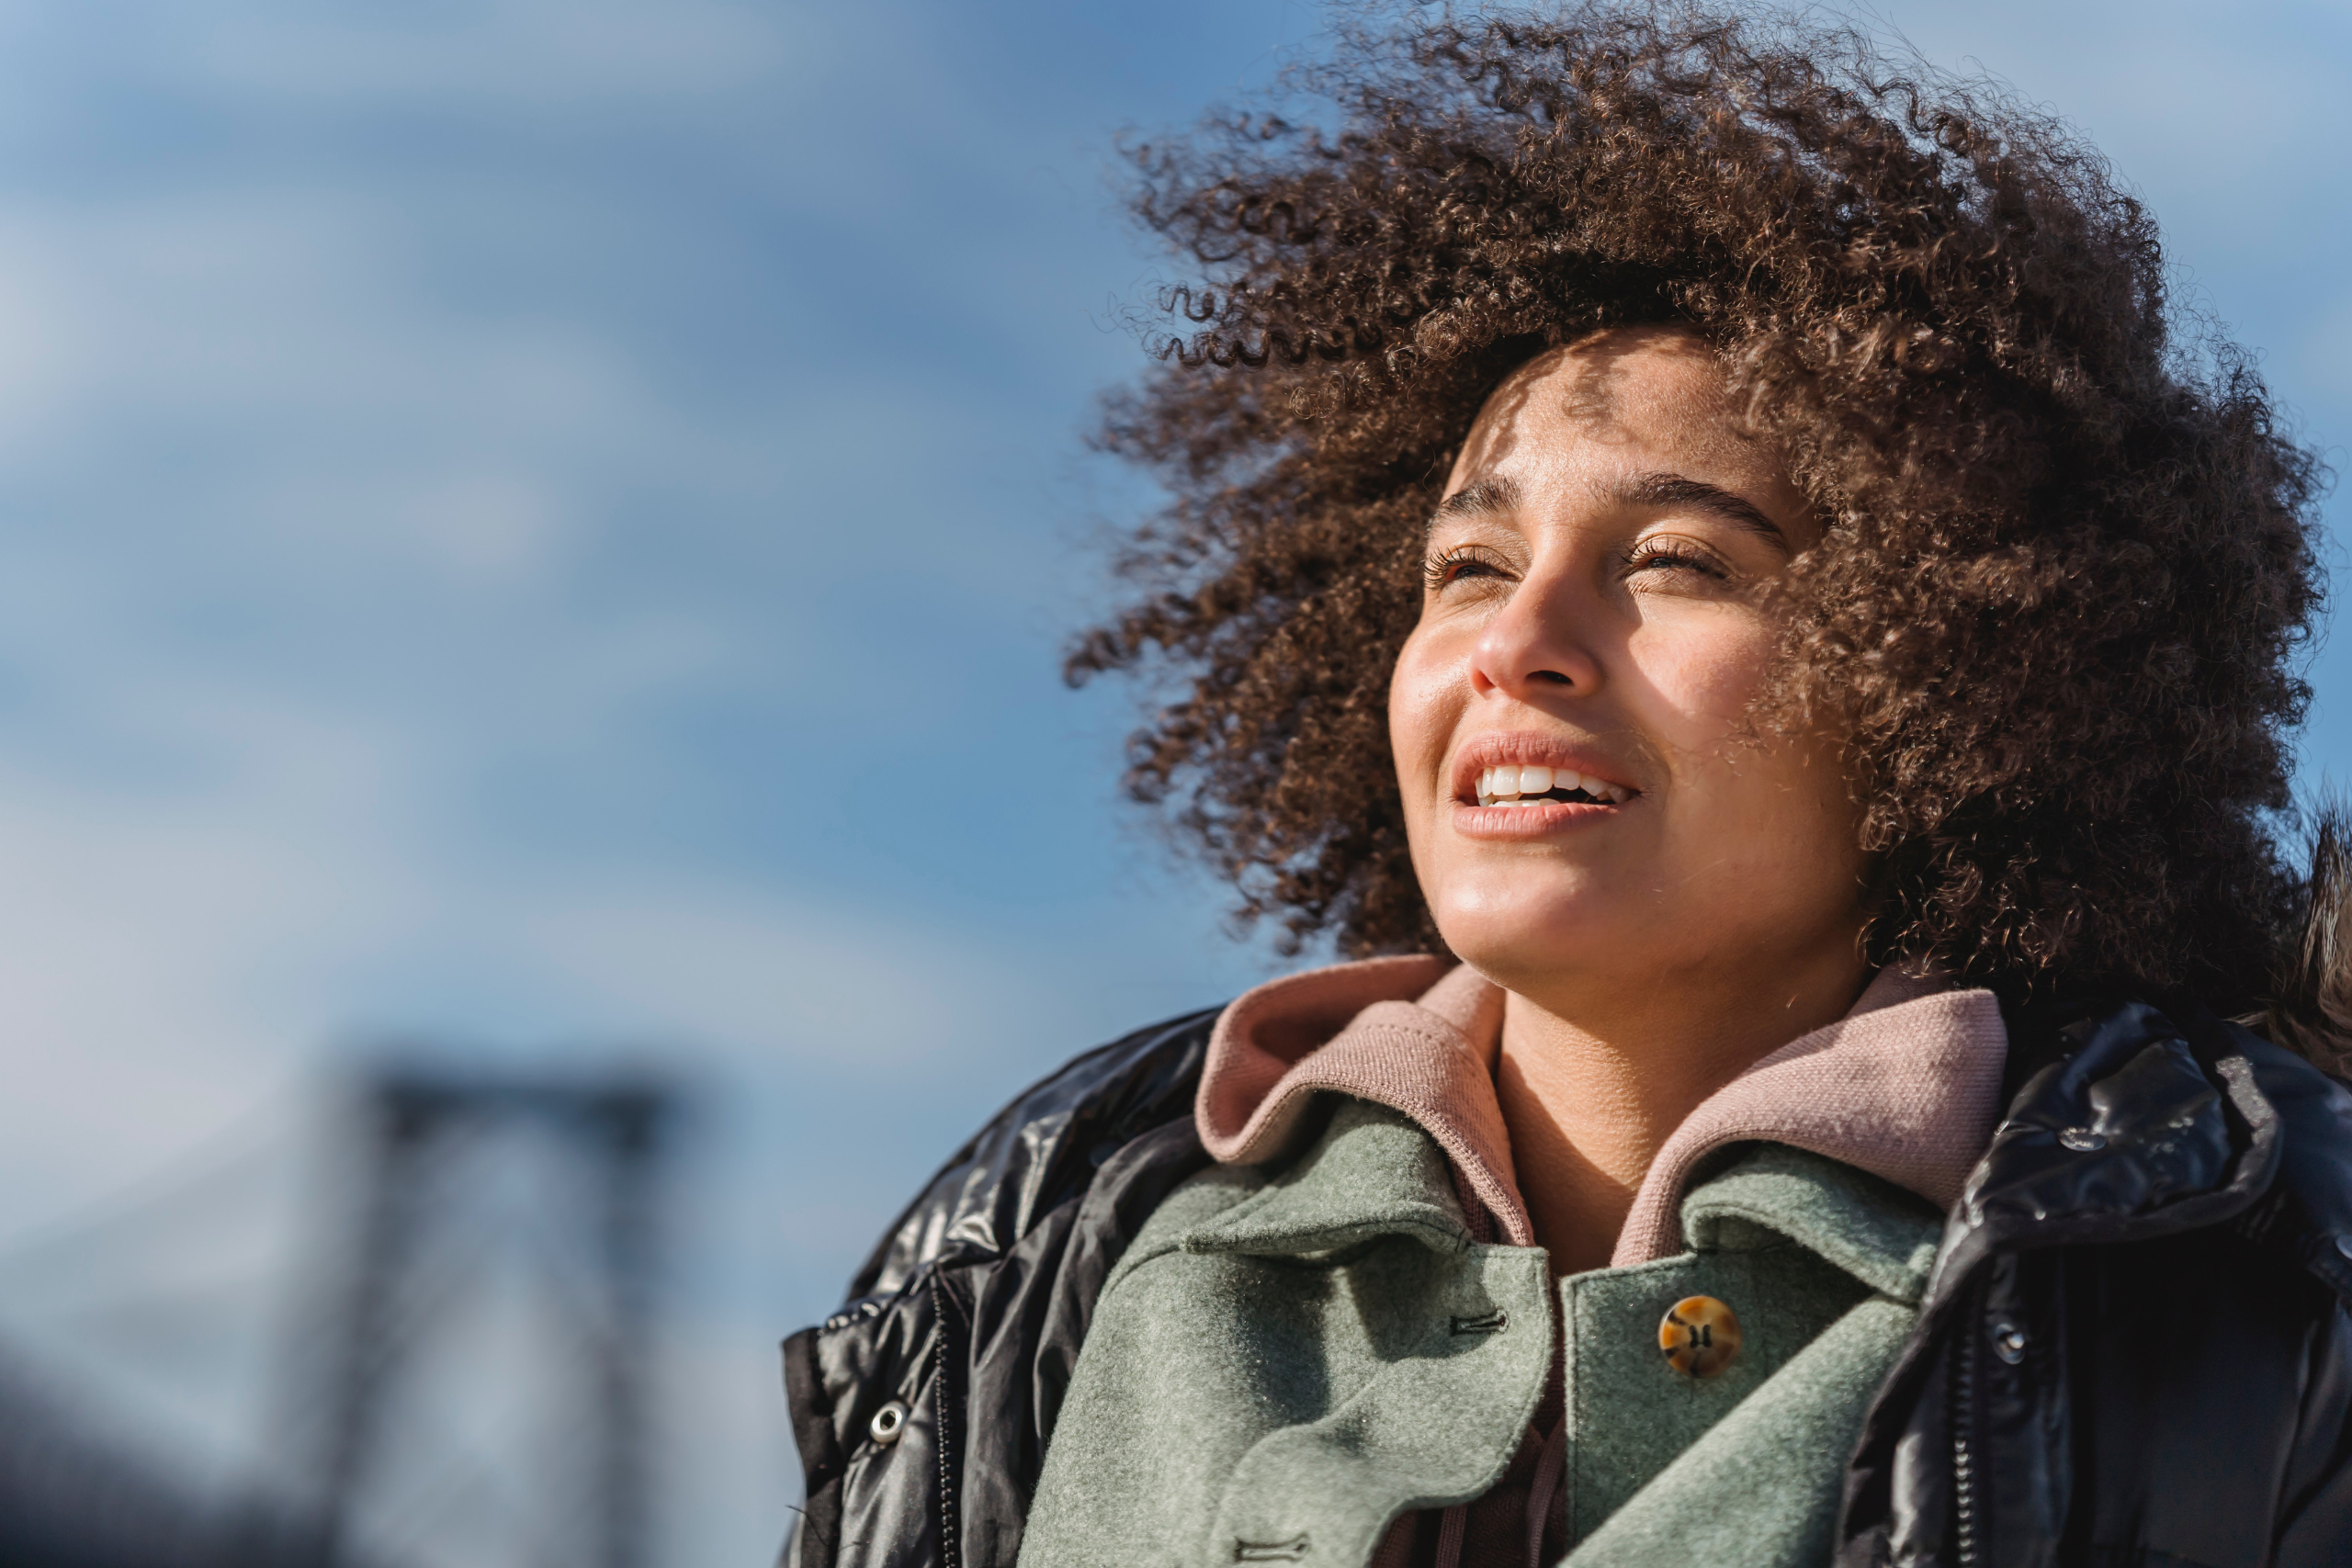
1702 565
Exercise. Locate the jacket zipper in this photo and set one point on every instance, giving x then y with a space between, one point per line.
950 1350
1965 1512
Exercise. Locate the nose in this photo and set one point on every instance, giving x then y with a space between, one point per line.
1532 648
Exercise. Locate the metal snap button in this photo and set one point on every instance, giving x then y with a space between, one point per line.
2008 1342
887 1424
2082 1140
1700 1336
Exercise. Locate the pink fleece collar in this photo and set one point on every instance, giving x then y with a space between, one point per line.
1906 1085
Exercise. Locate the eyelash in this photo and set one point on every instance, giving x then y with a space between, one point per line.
1671 554
1441 570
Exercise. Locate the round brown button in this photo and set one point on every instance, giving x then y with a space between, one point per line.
1700 1336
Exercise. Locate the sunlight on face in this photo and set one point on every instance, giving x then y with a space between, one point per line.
1587 811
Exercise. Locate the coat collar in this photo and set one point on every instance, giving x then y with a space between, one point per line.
1906 1085
1371 1172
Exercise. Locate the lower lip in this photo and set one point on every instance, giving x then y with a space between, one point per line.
1537 822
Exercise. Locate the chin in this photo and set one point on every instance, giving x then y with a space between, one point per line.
1518 945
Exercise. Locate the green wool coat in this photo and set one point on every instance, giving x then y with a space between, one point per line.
1290 1357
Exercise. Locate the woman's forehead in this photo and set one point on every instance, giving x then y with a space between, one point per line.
1646 389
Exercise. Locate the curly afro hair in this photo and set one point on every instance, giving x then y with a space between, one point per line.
2069 555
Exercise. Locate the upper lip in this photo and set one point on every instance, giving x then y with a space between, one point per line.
1522 750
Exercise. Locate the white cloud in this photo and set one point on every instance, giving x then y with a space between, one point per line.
501 54
774 978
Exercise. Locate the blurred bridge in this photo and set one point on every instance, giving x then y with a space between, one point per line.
467 1368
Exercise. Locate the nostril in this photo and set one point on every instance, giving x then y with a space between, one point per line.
1554 676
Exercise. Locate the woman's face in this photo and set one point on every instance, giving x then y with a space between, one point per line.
1597 609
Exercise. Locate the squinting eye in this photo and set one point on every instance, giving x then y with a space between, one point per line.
1454 565
1671 556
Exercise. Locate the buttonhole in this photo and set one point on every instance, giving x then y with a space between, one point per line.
1491 1323
1289 1550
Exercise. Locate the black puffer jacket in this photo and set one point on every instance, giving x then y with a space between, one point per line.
2137 1349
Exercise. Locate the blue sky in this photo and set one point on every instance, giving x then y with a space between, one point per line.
548 527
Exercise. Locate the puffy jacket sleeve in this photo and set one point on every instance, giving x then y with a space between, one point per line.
2315 1508
971 1310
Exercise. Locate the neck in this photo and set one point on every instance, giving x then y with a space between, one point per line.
1590 1094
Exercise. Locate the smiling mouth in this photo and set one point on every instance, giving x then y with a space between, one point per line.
1530 785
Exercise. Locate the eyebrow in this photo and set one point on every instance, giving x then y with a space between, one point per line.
1482 498
1675 490
1487 497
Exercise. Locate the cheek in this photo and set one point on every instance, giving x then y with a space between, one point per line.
1423 700
1775 804
1703 688
1703 677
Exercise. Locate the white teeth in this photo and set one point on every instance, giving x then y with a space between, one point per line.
1507 785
